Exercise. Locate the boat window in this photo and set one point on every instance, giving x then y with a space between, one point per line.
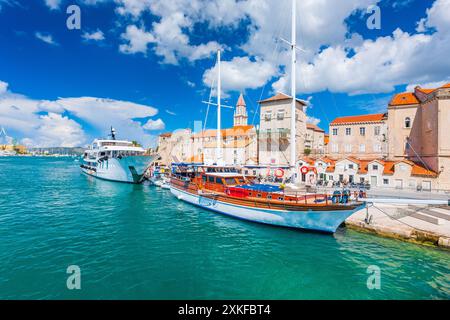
211 179
204 179
281 198
241 181
269 196
219 181
230 181
259 195
249 194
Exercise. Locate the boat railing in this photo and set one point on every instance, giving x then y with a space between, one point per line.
299 197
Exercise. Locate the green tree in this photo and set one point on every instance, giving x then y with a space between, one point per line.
136 144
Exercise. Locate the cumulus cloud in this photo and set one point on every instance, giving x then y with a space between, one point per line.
57 130
241 73
154 125
170 34
137 40
377 66
46 37
93 36
63 122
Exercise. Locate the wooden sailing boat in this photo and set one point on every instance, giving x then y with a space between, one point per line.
225 190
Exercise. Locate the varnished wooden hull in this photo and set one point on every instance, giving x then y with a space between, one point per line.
318 218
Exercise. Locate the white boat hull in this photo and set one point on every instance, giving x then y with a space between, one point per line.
127 169
324 221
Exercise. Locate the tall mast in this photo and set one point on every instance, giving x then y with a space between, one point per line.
293 84
218 149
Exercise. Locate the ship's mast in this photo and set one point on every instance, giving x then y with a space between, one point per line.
293 89
218 148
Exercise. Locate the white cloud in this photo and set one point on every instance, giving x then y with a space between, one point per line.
427 85
170 32
138 40
47 38
241 73
437 17
57 130
93 36
313 120
3 87
61 122
377 66
53 4
154 125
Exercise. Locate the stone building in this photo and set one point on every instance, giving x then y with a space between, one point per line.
174 147
238 144
362 136
315 139
274 131
418 122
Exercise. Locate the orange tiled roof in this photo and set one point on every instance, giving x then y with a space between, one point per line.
235 131
427 91
389 167
308 160
402 99
166 135
419 170
314 127
357 119
279 97
328 160
408 98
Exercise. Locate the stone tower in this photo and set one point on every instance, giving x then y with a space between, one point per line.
240 114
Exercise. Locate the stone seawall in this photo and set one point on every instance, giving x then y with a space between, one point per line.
423 225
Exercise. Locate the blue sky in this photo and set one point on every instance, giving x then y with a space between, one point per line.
145 66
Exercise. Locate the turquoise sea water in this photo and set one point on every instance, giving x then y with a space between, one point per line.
139 242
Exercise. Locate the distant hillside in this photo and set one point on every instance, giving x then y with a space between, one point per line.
58 150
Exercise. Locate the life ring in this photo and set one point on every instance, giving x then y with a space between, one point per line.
304 170
279 173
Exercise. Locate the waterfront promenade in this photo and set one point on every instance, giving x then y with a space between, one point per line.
420 224
429 225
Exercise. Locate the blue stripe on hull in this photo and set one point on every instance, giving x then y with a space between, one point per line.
323 221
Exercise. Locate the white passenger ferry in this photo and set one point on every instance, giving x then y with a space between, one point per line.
116 160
